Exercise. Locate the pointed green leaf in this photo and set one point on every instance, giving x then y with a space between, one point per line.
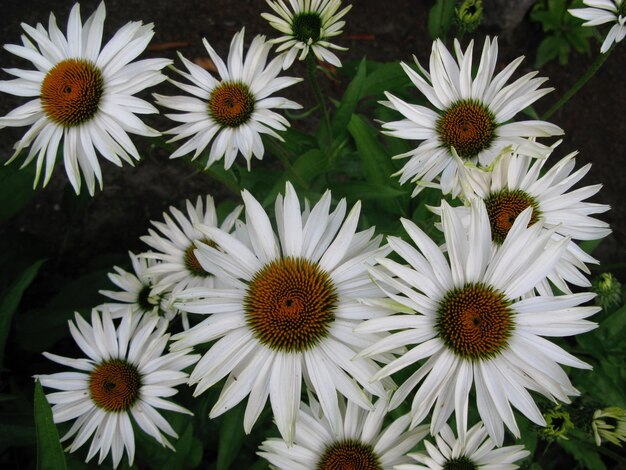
365 191
49 451
177 459
440 18
385 78
231 437
349 101
11 299
16 188
374 157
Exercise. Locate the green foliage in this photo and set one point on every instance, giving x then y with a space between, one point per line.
440 18
15 188
563 32
231 437
40 328
50 454
582 448
10 300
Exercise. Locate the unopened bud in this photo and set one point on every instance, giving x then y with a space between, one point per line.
609 291
469 15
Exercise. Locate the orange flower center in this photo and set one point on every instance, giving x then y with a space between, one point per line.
71 92
504 206
349 455
290 304
191 262
468 126
231 104
475 321
114 385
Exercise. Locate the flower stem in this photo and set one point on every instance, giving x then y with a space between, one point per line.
579 84
311 68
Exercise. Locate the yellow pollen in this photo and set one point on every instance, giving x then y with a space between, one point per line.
114 385
504 206
231 104
475 321
349 455
290 303
71 92
191 262
468 126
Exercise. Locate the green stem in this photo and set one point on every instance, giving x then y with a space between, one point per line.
579 84
311 68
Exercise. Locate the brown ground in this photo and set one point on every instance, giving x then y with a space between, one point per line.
385 31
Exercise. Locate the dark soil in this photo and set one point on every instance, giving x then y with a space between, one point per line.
385 31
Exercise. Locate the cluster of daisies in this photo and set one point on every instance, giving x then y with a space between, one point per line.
302 302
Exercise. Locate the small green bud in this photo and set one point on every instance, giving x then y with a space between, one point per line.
558 422
609 291
469 15
609 424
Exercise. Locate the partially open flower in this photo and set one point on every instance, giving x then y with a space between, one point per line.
307 28
609 424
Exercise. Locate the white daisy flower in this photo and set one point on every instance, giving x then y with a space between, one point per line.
471 119
234 111
175 245
470 325
126 374
516 183
138 292
307 28
473 449
604 11
83 95
361 441
286 310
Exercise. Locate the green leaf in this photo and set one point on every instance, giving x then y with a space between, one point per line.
297 141
374 157
16 430
364 190
590 245
38 329
440 18
194 457
386 77
376 162
547 51
10 301
308 166
349 101
49 451
231 437
16 188
582 450
183 447
82 292
528 438
615 327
